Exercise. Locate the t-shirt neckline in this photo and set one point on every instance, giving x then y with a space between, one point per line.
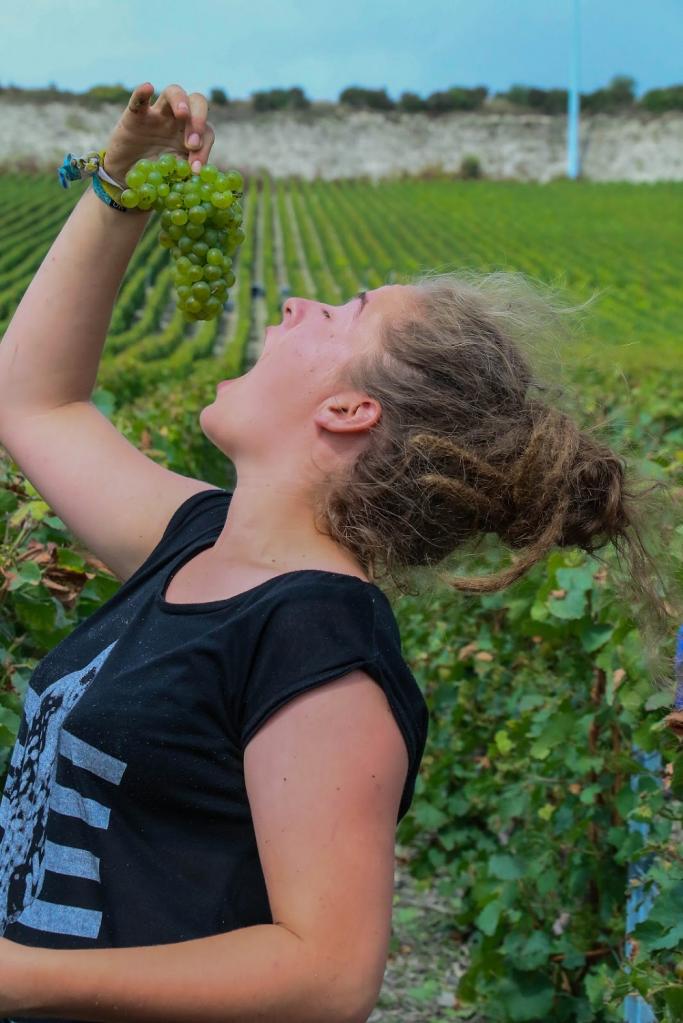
170 607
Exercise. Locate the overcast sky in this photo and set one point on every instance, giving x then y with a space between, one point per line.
323 46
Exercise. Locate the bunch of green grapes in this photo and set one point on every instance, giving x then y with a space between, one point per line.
200 224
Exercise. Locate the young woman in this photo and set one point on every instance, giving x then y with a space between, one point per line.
200 810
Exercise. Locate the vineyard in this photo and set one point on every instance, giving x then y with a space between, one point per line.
523 818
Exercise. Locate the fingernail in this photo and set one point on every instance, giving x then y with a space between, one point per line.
197 166
193 139
183 107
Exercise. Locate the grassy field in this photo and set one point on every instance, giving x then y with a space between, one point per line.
325 239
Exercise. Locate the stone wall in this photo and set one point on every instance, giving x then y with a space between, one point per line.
339 143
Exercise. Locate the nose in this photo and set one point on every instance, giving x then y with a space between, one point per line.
293 310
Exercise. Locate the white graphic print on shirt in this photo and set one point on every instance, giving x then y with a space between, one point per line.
32 791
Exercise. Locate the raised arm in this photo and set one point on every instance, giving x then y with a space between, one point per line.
51 350
114 498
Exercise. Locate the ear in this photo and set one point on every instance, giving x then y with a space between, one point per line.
348 412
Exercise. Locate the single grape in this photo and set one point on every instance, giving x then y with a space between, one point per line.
163 189
165 218
201 291
184 291
194 231
220 182
166 163
179 217
200 249
208 173
212 273
193 305
235 181
222 218
144 166
214 257
165 240
182 169
185 244
211 237
173 201
175 231
212 307
194 258
195 273
218 285
130 198
230 278
197 214
239 235
147 192
183 264
135 178
155 178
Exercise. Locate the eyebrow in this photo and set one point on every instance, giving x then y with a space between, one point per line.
363 296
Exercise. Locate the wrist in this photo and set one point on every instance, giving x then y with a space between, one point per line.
115 171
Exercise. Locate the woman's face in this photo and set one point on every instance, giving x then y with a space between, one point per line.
292 391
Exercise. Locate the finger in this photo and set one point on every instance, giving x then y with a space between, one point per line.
140 97
196 123
202 156
173 102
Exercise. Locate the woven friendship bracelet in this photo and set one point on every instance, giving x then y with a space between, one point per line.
75 168
100 188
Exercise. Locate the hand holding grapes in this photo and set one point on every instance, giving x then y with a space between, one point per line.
200 213
145 132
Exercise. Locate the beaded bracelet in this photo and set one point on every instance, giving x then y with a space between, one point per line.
105 187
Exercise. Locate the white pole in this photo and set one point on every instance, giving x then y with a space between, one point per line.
573 155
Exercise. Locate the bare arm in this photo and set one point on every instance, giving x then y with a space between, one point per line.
262 972
51 350
115 499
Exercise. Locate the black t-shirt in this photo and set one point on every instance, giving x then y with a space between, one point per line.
125 819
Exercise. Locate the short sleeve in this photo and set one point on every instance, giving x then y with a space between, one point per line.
319 630
200 517
202 510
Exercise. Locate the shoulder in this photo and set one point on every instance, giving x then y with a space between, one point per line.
206 500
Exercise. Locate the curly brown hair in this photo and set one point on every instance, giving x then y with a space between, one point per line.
472 439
